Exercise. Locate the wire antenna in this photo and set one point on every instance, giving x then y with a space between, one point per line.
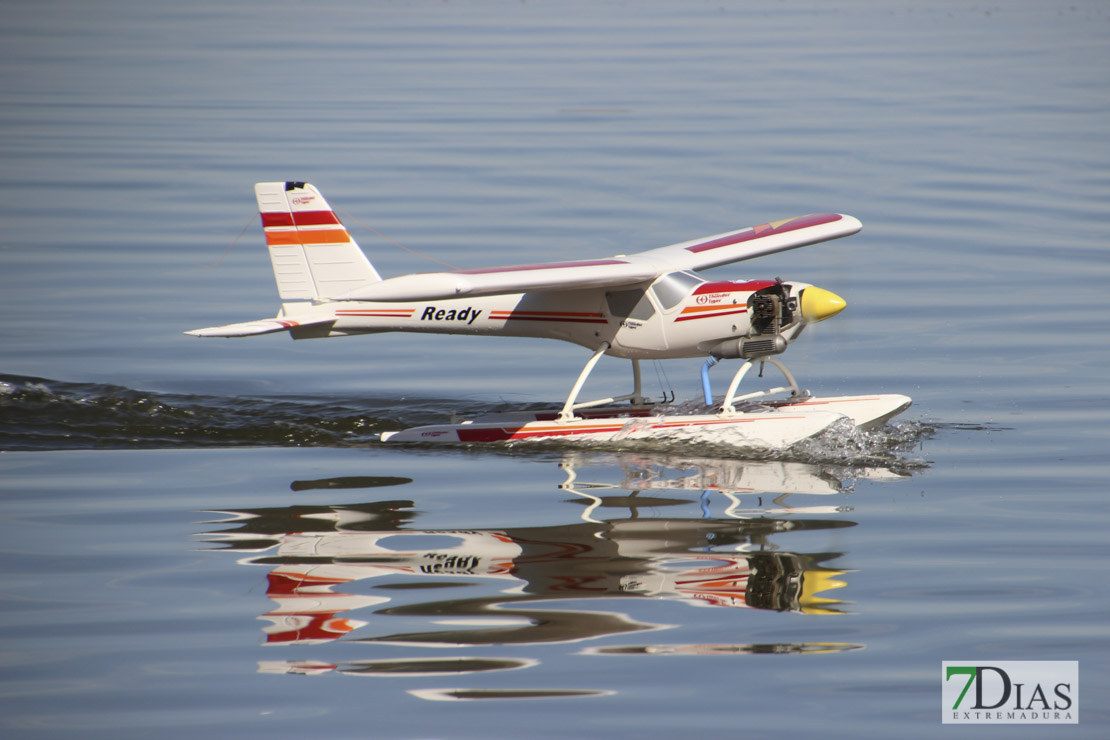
394 243
234 241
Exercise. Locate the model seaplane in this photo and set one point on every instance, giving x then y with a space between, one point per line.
648 305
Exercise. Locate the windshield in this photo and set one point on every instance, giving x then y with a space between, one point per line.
673 287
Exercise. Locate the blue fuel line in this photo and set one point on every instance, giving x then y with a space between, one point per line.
705 380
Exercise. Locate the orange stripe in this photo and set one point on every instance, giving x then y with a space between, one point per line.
709 315
323 236
719 307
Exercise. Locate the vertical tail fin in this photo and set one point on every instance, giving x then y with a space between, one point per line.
313 254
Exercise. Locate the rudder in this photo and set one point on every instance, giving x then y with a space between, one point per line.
313 254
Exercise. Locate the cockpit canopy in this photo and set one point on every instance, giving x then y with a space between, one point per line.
668 292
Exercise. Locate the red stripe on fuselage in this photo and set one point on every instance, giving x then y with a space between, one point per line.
725 286
547 313
550 318
691 317
566 316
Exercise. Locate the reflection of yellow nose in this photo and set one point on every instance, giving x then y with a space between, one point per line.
818 304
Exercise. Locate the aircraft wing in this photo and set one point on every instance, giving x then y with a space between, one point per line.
733 246
756 241
511 279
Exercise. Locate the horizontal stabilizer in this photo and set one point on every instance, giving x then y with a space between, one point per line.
251 328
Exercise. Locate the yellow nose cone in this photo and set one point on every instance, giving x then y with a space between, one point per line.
818 304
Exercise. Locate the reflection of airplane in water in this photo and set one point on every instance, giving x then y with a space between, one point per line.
719 562
739 481
330 564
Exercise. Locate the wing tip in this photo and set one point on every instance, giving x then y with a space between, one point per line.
852 224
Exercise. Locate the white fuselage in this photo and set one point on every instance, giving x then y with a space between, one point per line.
636 324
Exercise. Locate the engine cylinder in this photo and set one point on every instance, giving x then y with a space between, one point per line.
745 348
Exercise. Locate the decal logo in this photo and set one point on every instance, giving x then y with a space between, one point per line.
468 314
1010 692
710 298
300 200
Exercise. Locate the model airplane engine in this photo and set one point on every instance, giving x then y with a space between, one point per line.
770 310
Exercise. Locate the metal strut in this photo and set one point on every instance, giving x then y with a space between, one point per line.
636 396
728 405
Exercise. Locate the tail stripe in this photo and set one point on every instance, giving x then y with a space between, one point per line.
331 236
301 218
